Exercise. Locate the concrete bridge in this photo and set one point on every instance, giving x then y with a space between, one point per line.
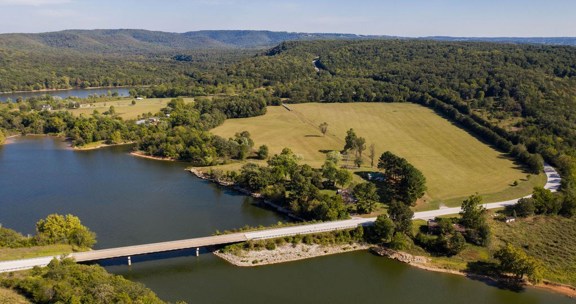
553 184
130 251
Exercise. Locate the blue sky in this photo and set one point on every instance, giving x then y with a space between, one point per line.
385 17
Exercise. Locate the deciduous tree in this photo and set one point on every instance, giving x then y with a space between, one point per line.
366 197
383 229
401 215
59 229
323 128
515 261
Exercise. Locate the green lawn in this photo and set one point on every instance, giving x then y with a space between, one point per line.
124 107
455 163
7 254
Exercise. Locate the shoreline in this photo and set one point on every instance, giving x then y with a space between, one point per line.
9 139
424 264
289 253
198 173
286 253
100 146
142 155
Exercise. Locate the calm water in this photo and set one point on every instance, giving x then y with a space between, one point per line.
128 200
82 93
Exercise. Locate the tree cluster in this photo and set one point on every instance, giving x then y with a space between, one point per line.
391 232
545 202
356 145
59 229
64 281
473 218
516 262
445 241
294 186
54 229
402 181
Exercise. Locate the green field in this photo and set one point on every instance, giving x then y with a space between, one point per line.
551 240
455 163
124 107
7 254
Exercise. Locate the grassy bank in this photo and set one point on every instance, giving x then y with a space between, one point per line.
455 163
551 240
8 296
7 254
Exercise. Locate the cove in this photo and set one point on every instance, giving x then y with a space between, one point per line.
128 200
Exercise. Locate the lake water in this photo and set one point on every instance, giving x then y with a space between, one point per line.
82 93
128 200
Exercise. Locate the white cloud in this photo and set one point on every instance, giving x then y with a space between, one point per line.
33 2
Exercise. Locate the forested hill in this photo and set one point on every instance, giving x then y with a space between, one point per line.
143 41
518 40
127 41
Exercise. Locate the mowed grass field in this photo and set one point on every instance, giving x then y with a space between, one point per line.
124 107
455 163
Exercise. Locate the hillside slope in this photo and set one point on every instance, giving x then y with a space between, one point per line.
143 41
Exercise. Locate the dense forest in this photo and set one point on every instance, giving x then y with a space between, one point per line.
109 58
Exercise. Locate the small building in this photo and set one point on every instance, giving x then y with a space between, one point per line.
148 121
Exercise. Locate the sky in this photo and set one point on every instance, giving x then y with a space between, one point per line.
410 18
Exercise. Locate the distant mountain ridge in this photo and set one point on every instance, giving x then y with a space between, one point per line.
128 40
144 41
519 40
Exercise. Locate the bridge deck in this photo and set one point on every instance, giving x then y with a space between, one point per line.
104 254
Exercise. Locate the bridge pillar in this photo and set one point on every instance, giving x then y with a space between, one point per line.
197 251
129 261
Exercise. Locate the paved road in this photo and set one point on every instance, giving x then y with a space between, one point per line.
553 183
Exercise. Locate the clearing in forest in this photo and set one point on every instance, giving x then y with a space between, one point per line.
124 107
455 163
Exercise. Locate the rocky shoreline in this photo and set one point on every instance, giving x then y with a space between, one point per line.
142 155
286 253
400 256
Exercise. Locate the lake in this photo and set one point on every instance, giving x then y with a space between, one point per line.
128 200
82 93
